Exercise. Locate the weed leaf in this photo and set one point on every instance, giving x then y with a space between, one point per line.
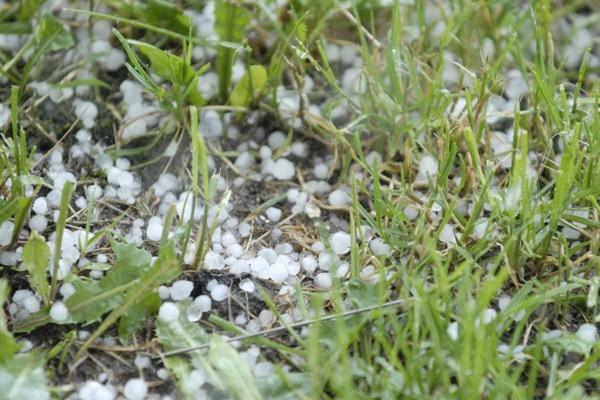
234 370
249 87
36 255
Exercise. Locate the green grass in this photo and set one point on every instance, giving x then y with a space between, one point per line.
421 325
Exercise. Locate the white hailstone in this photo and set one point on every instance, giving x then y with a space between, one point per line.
81 202
282 169
351 79
112 176
258 264
245 161
512 199
410 212
348 54
213 260
240 319
219 292
515 85
452 330
278 272
204 302
266 318
93 390
292 195
59 311
339 198
21 295
228 239
327 259
276 140
273 214
309 264
40 206
503 302
587 333
323 280
9 258
66 290
300 149
372 157
488 315
181 290
125 179
53 197
379 247
318 246
247 285
368 273
320 171
268 254
447 235
62 178
32 304
235 250
38 223
244 229
210 124
320 187
154 229
265 153
102 29
114 60
133 129
340 242
163 373
263 369
427 167
253 326
86 110
142 362
135 389
194 312
342 270
6 231
276 234
284 248
168 312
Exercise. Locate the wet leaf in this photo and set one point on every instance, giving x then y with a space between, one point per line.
236 373
22 377
249 87
36 255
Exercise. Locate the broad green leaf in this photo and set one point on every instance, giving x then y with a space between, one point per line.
190 334
570 343
166 15
235 372
301 32
182 334
173 68
164 269
15 28
8 344
137 314
273 387
92 299
249 87
22 377
51 35
36 255
231 20
362 293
